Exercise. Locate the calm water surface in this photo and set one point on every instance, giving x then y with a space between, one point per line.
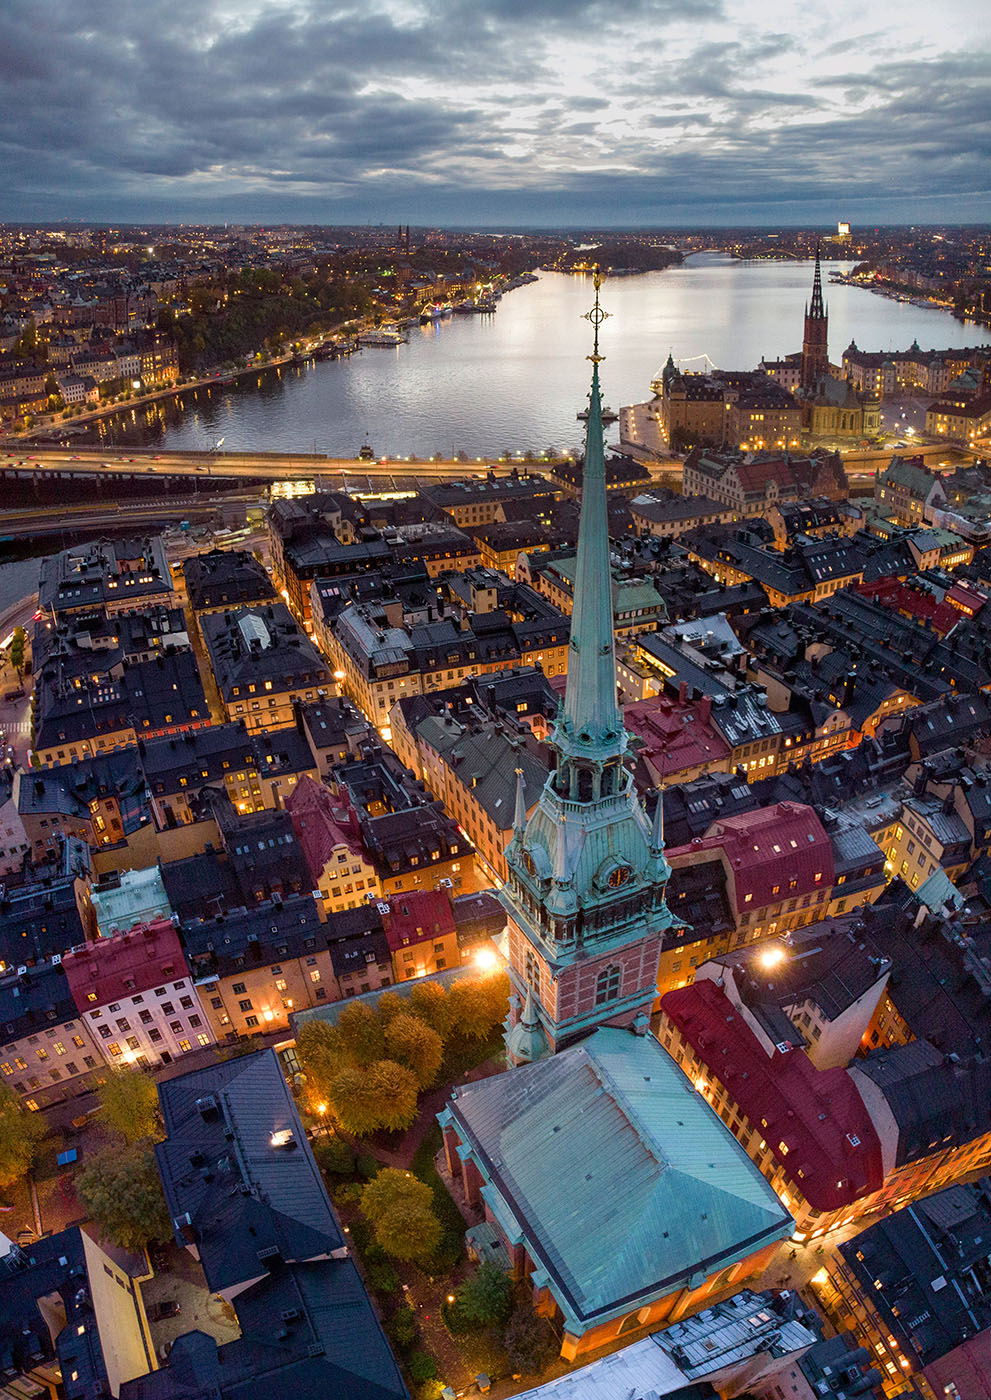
514 381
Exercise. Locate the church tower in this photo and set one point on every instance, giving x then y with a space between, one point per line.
815 355
587 873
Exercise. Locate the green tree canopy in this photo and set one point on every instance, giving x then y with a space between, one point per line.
362 1035
485 1297
416 1045
17 648
478 1004
367 1098
20 1130
390 1004
401 1210
122 1191
428 1000
130 1104
321 1055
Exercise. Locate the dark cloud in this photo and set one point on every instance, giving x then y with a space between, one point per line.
494 113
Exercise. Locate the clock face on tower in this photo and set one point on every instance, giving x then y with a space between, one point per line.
526 860
619 876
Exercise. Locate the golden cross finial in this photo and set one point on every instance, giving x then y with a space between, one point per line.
596 316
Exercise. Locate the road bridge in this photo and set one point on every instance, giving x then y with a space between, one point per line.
260 466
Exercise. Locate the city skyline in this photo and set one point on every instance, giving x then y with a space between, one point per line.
563 113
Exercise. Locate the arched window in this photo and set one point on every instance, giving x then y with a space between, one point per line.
607 984
532 971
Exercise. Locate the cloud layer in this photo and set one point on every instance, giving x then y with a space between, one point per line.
511 111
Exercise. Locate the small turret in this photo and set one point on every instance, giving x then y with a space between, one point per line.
526 1042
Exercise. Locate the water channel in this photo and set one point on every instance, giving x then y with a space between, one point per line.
514 381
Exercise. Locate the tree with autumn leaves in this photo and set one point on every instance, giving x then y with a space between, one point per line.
368 1068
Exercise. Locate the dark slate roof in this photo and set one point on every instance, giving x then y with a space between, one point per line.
251 1205
249 646
149 695
165 760
33 999
226 578
691 808
937 981
355 953
936 1102
684 670
931 1261
39 919
68 789
252 937
200 886
696 896
50 1266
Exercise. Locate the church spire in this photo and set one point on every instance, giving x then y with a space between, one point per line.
815 349
657 831
585 883
817 309
591 716
519 816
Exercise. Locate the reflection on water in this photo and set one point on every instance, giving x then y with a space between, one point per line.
514 381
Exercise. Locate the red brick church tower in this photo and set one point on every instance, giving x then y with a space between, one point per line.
815 354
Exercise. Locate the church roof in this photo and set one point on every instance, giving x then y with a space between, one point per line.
625 1184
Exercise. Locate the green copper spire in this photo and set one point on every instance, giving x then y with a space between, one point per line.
590 722
586 874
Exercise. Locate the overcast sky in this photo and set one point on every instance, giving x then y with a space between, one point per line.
506 112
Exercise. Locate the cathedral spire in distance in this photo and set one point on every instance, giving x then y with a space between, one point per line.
817 308
815 350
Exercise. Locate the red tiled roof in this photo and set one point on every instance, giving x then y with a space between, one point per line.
966 599
814 1121
675 736
772 854
318 825
415 918
118 967
910 602
754 476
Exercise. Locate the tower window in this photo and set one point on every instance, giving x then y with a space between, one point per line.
532 971
607 984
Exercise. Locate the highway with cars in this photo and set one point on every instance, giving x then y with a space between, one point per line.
261 466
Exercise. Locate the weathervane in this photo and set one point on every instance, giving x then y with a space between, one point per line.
596 316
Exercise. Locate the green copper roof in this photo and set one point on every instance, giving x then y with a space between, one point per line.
526 1042
623 1180
912 475
591 717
